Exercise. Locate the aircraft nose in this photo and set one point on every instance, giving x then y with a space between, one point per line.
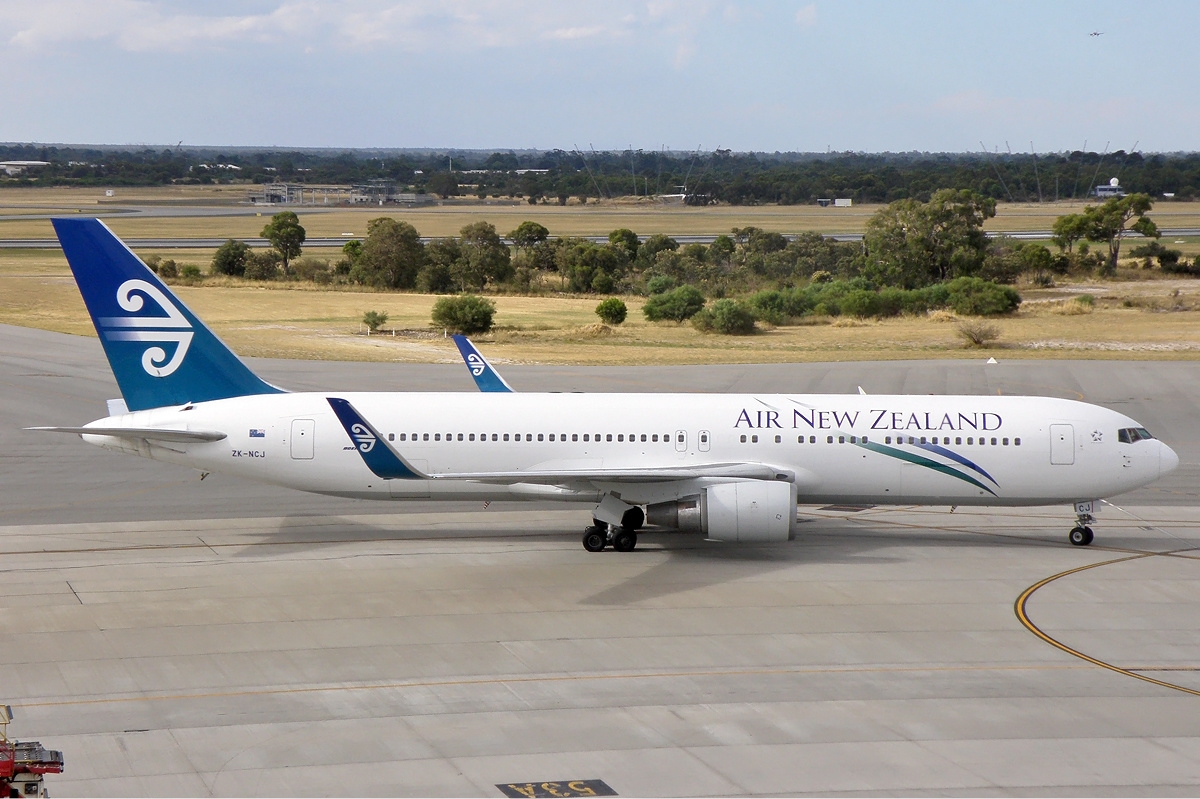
1168 461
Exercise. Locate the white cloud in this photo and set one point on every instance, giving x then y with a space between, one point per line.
410 25
807 16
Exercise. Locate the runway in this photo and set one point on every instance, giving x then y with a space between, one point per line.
178 637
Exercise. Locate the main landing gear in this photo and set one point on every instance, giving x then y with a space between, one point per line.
599 535
1081 534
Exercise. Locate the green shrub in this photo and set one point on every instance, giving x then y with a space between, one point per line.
677 305
168 269
728 317
262 266
972 296
770 306
189 272
310 268
464 314
612 311
230 258
374 319
860 303
152 261
660 284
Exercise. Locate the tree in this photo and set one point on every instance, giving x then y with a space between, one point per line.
729 317
528 234
612 311
1069 229
484 259
677 305
230 258
625 243
911 243
391 255
464 314
1110 222
286 235
443 184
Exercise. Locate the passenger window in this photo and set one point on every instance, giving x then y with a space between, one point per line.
586 437
471 437
551 437
391 436
620 436
425 437
574 436
853 439
799 439
778 439
654 437
608 437
841 439
1005 442
506 436
702 438
753 439
993 442
494 437
971 440
529 436
1016 442
922 439
743 438
864 439
541 437
887 439
829 440
812 439
460 436
958 439
403 436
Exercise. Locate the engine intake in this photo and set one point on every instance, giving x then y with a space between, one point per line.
745 511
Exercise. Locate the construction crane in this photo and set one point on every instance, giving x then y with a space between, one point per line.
24 763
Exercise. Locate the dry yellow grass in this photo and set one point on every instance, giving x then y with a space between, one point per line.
277 321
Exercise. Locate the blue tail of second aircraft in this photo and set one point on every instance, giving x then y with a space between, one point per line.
485 375
160 353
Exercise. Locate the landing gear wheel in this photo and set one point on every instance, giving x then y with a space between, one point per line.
594 539
1081 536
624 540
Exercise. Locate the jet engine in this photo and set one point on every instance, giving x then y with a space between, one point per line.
746 511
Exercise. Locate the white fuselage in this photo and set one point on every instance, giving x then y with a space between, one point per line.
876 449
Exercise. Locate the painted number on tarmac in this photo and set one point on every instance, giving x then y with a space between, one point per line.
539 790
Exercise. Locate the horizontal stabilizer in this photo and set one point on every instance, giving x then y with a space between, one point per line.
148 433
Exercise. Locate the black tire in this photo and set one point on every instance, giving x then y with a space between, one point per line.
1090 535
624 540
1079 536
594 539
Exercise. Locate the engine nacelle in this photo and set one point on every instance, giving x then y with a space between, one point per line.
745 511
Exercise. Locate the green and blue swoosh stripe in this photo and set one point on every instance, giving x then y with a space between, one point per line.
921 460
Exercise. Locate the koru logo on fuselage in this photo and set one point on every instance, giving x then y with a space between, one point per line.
362 437
476 364
172 328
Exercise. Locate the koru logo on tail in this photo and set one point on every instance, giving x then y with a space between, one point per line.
476 364
173 328
362 437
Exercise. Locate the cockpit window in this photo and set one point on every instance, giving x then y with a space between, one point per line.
1130 435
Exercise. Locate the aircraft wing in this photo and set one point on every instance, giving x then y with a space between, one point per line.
148 433
552 474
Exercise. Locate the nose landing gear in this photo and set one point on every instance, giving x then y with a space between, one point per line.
1081 534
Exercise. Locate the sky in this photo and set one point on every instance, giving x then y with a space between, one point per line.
544 74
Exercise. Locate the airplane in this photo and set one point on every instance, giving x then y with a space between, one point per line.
1096 33
732 467
486 378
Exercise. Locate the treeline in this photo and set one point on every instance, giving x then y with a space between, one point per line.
721 176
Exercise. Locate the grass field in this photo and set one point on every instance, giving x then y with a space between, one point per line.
301 322
573 220
1140 317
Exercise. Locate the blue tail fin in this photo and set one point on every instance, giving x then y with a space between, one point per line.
160 353
379 456
485 375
